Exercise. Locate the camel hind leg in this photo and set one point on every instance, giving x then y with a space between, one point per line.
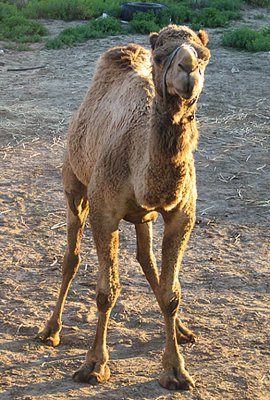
77 211
145 255
146 258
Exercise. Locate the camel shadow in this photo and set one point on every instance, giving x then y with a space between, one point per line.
52 387
58 387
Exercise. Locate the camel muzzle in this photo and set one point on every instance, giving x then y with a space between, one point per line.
190 83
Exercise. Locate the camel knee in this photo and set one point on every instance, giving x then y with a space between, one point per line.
142 259
105 301
77 202
71 263
145 257
170 303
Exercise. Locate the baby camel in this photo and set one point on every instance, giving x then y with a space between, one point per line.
130 156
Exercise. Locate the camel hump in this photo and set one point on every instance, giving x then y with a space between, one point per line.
131 56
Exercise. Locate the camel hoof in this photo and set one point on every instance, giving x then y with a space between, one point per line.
172 381
49 337
87 374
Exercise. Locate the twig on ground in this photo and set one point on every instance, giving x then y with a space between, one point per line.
26 68
62 359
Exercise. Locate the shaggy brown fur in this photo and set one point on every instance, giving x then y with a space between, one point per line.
130 156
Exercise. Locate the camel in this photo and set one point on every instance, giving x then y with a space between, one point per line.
130 156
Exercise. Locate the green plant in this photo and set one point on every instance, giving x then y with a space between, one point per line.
219 4
213 18
17 46
180 13
197 13
70 9
206 13
7 10
56 9
226 5
248 39
19 29
197 3
94 29
14 26
145 22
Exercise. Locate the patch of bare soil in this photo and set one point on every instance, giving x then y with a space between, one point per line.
225 274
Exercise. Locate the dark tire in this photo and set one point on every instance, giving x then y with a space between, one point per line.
129 9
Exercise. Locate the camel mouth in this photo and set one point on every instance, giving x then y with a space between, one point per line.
187 91
189 95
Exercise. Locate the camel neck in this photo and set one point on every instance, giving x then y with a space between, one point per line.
173 130
173 137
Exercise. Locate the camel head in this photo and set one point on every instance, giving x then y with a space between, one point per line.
179 57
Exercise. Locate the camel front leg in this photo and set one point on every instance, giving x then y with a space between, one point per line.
147 260
178 226
105 232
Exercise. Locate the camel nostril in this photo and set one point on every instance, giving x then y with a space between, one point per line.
189 86
189 82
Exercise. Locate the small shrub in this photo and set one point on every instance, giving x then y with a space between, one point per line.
17 46
206 13
56 9
114 12
180 13
14 26
70 9
163 18
145 22
218 4
7 10
213 18
197 3
94 29
143 26
248 39
109 26
226 5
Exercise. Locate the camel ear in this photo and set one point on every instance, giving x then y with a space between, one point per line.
203 36
153 38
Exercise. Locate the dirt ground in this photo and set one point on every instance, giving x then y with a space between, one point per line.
225 273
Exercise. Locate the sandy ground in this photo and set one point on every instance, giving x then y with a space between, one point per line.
225 274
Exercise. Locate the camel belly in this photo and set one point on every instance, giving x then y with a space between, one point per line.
141 218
